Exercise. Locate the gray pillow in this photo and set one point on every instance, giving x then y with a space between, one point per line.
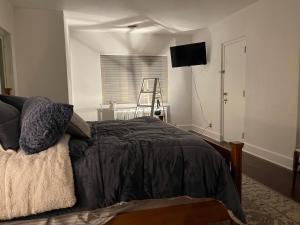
43 123
78 127
9 126
15 101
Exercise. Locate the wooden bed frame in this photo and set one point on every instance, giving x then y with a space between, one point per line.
201 213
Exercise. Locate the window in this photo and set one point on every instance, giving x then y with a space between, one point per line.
122 76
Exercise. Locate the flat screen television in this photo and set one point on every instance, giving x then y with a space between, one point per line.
188 55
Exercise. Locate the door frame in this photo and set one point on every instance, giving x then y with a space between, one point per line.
223 46
3 64
7 51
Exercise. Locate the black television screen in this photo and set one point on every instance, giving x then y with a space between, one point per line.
189 55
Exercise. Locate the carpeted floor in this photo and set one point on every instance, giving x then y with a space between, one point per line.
263 206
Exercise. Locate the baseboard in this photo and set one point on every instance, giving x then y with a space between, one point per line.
207 132
186 127
273 157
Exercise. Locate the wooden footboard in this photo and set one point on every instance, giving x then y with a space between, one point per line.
236 165
201 213
232 152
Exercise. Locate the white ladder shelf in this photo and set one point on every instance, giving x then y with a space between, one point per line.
154 94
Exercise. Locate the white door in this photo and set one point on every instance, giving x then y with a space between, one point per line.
234 73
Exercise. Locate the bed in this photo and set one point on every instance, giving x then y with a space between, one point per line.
144 171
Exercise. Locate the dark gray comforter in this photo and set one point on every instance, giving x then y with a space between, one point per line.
145 158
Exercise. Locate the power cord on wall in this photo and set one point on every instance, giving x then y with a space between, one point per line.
204 130
200 104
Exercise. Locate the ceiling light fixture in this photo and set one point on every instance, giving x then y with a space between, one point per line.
133 26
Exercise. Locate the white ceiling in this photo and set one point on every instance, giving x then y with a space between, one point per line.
176 15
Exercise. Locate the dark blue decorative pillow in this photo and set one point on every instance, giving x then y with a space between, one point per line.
43 123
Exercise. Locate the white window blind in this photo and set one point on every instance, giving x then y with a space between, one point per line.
122 76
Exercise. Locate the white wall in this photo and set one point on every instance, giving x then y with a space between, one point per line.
6 16
272 31
7 24
40 54
180 92
298 124
91 44
206 86
85 79
68 59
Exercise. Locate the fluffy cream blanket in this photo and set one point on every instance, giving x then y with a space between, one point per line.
31 184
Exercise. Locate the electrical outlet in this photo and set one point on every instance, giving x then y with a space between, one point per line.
210 125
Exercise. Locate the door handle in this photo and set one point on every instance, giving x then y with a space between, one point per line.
225 100
225 93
